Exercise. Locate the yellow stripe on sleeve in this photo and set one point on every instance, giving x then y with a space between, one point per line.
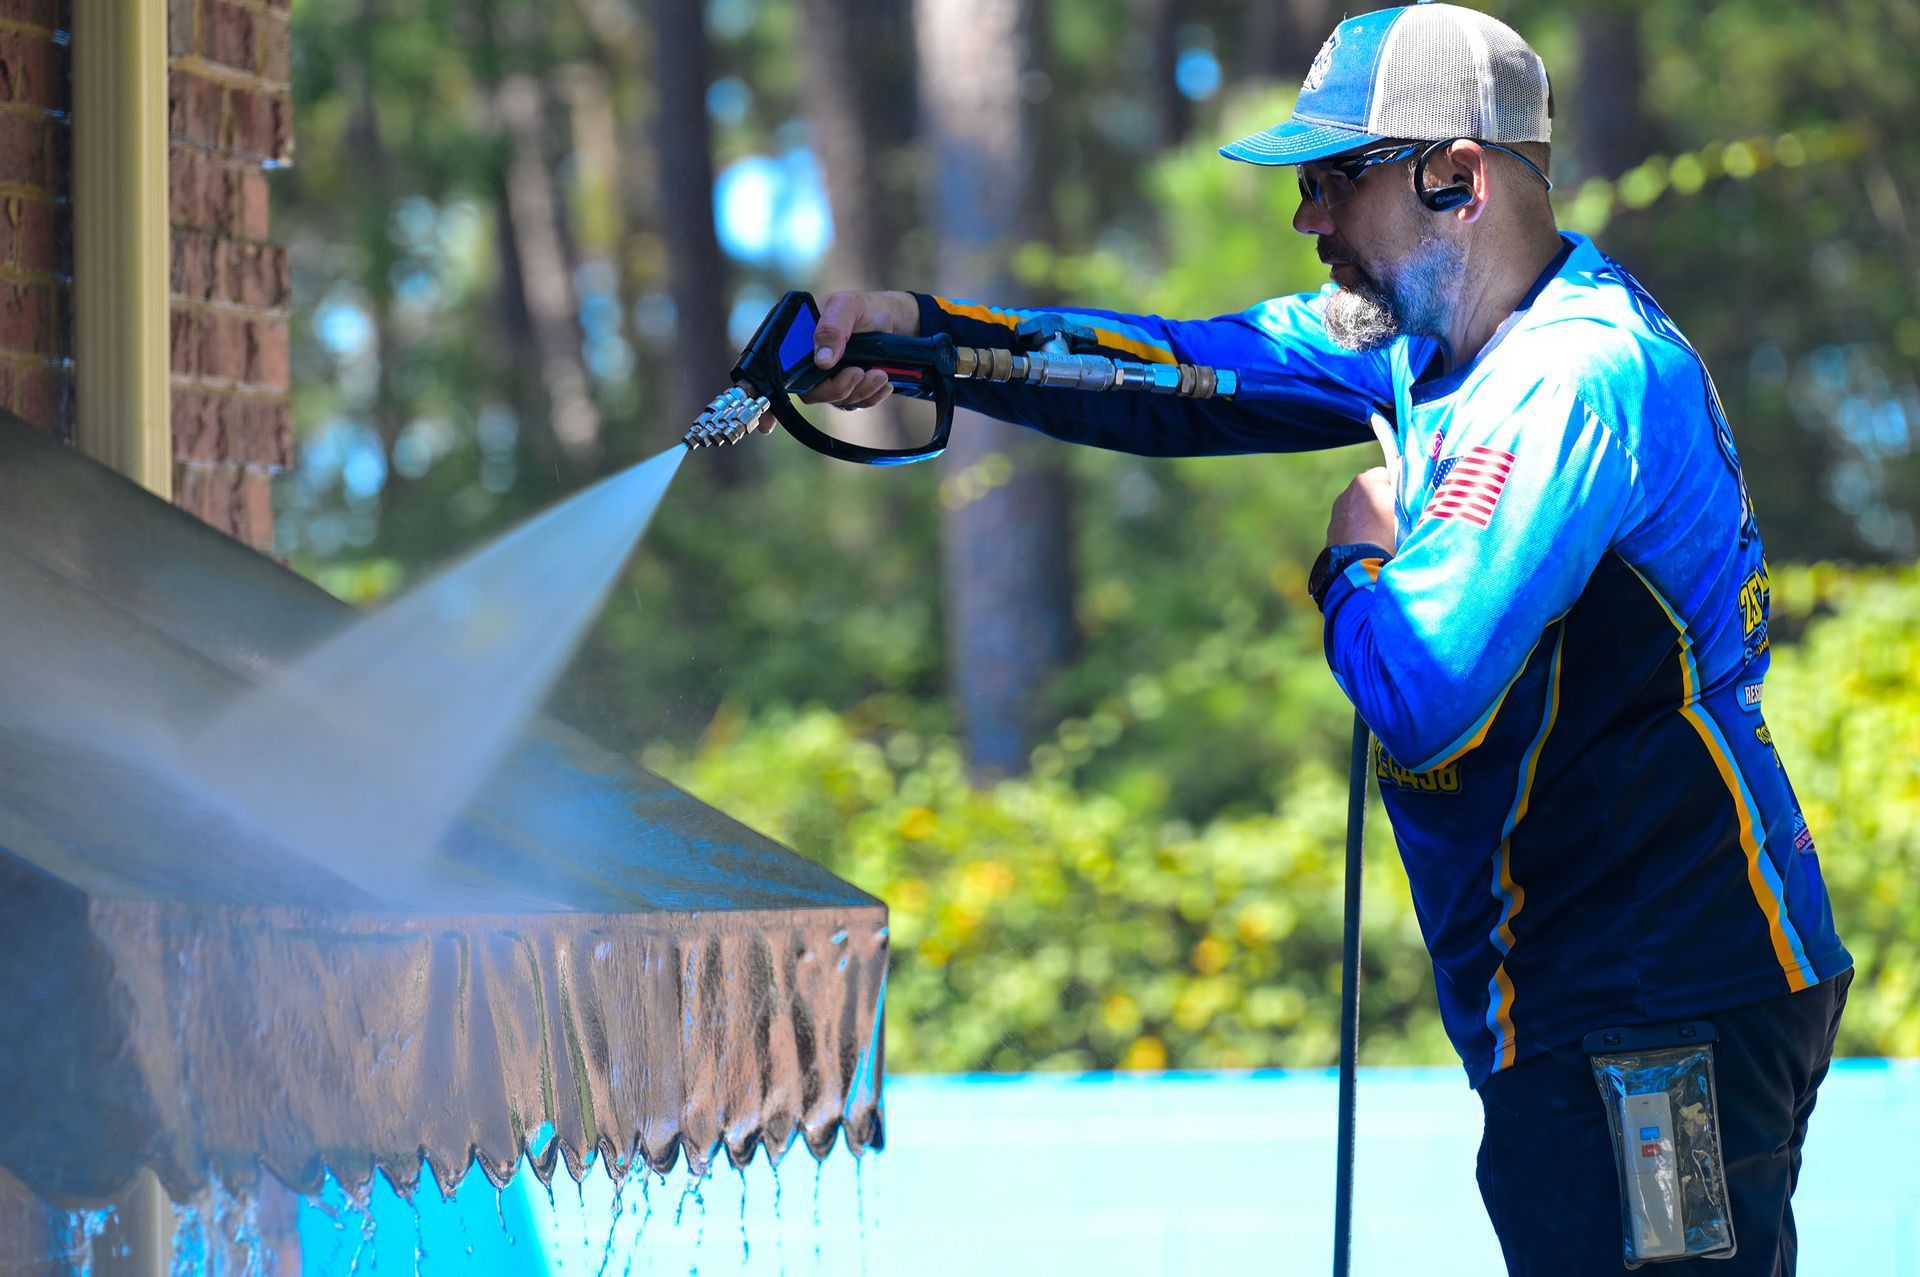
1107 337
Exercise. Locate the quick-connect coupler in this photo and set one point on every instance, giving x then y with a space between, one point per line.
1094 372
728 418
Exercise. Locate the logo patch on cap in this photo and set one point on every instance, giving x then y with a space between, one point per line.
1322 63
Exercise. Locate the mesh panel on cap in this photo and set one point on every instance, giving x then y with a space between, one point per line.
1453 72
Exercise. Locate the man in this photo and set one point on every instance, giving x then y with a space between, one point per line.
1551 610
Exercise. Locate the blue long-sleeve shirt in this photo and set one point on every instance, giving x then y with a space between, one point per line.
1562 660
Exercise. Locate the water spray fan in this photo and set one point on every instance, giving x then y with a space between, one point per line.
1050 351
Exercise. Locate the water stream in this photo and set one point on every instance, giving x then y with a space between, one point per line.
361 753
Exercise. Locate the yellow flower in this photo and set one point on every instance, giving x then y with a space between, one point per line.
1146 1054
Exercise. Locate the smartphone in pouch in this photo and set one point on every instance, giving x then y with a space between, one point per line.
1656 1082
1647 1149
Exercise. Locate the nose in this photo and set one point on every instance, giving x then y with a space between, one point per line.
1311 219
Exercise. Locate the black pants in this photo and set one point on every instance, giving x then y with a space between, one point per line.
1546 1160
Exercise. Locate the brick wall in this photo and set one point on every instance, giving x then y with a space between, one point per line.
36 233
230 120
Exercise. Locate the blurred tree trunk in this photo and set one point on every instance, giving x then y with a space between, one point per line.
1608 106
1006 554
1283 35
696 275
1158 21
543 253
849 44
859 82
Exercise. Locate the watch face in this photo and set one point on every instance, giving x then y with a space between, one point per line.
1321 576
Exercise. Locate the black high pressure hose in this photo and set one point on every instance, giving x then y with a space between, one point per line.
1349 1002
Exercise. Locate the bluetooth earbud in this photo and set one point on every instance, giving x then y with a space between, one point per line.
1441 199
1444 199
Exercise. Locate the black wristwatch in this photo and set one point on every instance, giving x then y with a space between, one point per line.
1336 559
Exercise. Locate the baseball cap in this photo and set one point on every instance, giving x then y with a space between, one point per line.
1421 72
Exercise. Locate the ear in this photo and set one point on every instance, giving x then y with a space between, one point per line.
1467 163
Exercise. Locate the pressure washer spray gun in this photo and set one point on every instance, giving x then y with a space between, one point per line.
1053 351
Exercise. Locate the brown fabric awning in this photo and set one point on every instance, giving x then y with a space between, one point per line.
605 962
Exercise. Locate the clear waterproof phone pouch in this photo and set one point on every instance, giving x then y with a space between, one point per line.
1657 1084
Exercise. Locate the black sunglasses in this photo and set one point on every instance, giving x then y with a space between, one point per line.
1337 182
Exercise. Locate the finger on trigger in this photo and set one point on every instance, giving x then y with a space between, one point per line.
886 389
835 389
830 334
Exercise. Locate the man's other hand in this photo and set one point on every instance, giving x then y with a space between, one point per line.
1364 512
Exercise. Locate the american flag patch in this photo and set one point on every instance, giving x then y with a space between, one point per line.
1802 836
1468 484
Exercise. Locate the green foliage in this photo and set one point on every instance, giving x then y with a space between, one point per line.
1043 924
1844 706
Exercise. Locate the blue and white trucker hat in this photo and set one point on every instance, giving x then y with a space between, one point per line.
1420 73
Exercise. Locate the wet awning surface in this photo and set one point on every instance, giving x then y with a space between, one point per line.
593 960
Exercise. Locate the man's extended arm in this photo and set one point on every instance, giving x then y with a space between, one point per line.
1298 390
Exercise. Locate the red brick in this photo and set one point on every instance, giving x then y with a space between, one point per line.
180 27
266 433
183 187
224 282
195 422
192 275
183 339
45 236
193 109
219 196
281 113
225 348
208 492
38 397
238 500
256 508
255 205
23 150
259 275
226 34
37 13
30 70
250 115
247 121
275 47
269 354
243 274
23 318
6 385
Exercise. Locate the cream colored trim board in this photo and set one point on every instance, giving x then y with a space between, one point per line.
120 238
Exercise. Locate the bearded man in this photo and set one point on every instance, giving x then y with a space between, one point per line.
1551 611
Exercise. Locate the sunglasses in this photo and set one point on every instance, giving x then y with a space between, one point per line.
1333 182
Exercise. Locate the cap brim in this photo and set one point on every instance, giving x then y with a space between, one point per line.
1297 142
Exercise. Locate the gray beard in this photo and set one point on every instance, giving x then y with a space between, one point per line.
1361 318
1370 314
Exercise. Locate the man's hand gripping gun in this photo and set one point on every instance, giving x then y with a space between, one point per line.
778 362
